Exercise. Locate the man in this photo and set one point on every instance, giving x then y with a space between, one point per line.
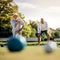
17 24
42 28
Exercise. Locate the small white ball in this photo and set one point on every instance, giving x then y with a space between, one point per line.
50 46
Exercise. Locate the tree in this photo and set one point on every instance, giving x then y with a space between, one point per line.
27 31
7 8
52 36
57 33
33 24
33 33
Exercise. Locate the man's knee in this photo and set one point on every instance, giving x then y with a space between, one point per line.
47 34
38 34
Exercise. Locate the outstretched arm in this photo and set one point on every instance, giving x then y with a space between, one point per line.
22 23
38 28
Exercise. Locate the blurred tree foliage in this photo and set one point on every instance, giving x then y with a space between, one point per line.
57 33
27 31
33 24
33 33
7 8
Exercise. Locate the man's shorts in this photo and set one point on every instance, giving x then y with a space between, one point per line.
42 32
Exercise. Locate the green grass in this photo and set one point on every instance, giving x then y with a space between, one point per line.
42 43
29 53
32 43
3 42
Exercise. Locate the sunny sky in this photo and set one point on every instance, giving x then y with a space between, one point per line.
35 9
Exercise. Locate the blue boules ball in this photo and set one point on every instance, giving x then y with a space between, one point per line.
16 43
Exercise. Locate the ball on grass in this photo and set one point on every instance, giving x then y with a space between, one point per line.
17 43
50 46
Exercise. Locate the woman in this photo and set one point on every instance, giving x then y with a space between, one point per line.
17 24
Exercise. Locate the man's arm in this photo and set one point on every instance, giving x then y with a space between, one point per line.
47 26
21 23
38 28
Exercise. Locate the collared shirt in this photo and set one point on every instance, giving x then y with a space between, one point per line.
42 27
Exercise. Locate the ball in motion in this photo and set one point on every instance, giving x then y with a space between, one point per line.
17 43
50 46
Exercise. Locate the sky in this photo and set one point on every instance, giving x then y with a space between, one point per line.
37 9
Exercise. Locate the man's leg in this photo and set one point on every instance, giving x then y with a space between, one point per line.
38 38
48 37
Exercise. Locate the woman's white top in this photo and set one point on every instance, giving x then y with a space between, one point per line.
13 22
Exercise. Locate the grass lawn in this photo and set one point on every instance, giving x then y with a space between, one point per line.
41 43
32 43
29 53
